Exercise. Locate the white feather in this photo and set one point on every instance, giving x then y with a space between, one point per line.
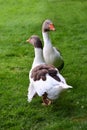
51 86
50 53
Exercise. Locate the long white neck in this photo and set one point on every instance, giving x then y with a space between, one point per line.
46 39
38 57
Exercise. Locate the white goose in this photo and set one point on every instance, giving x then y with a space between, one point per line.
50 53
45 80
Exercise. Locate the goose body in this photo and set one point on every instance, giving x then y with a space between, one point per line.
45 80
50 53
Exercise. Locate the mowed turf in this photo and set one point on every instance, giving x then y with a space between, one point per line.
19 19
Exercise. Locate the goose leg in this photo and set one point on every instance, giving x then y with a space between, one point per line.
46 101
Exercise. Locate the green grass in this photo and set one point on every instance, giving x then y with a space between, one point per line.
19 19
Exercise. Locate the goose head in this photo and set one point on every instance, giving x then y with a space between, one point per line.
38 50
35 41
48 26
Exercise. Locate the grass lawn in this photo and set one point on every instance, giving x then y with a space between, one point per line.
19 19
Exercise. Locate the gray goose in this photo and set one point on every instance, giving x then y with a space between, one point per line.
51 54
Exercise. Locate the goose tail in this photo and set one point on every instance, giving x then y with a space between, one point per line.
66 86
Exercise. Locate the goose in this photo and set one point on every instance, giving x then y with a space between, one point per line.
45 80
50 53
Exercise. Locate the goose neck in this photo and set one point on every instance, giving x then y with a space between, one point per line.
38 57
46 38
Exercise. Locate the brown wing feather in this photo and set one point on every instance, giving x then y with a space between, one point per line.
40 72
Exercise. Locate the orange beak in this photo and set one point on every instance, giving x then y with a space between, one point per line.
51 27
28 40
